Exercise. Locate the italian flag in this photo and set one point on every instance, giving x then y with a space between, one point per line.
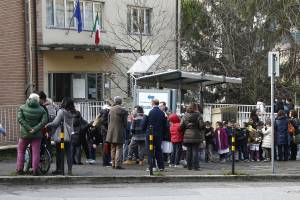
96 29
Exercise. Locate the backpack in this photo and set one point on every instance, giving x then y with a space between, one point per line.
291 129
52 112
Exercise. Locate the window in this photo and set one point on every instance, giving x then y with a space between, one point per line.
88 15
50 12
80 86
139 20
60 13
98 8
70 11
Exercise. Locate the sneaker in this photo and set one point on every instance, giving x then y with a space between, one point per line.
57 172
37 173
128 162
70 173
92 162
119 167
20 172
171 165
161 170
87 161
154 169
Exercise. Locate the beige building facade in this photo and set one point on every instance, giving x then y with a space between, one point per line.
72 65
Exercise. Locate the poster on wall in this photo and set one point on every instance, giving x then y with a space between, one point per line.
144 98
79 88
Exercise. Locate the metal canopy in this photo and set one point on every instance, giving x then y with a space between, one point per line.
143 64
177 79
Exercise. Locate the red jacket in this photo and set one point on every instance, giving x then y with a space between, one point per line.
175 130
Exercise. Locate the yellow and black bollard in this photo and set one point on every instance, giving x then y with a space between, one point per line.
151 149
233 152
62 149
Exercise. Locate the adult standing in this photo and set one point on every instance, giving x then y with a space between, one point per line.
193 127
104 127
117 124
63 118
260 107
138 136
32 118
282 136
158 121
295 123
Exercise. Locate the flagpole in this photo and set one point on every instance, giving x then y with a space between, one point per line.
72 19
94 24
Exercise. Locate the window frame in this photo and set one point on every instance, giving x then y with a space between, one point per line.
83 12
99 93
147 26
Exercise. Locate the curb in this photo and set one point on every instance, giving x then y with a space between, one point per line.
67 180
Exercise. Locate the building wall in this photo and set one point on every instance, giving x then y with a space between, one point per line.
162 41
12 52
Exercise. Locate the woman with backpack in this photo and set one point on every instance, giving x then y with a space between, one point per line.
63 120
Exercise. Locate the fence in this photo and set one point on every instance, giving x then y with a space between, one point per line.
8 119
89 111
244 111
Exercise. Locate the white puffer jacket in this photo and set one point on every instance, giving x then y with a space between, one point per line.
267 141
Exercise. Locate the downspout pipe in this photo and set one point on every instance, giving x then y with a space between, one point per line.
27 45
35 46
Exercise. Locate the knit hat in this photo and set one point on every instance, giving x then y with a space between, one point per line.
34 96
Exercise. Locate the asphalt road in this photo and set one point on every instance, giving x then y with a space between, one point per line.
174 191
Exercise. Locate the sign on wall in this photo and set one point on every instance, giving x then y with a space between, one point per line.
144 98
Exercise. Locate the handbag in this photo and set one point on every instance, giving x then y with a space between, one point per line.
297 139
68 131
166 147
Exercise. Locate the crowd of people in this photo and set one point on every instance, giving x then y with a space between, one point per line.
123 136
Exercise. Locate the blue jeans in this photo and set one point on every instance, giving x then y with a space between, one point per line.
92 153
176 153
158 155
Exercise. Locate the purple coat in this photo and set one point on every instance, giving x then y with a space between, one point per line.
223 138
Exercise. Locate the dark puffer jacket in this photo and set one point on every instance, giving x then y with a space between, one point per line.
32 116
281 130
193 127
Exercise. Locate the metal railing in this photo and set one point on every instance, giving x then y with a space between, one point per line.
8 119
89 110
244 111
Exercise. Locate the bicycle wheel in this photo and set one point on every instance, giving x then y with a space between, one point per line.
45 161
27 160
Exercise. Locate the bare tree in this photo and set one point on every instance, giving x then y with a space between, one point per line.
147 27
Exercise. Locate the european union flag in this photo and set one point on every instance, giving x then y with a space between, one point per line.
77 15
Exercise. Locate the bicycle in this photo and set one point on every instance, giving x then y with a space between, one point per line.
45 159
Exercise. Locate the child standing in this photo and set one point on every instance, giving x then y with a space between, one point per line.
255 140
209 140
176 139
242 139
267 141
221 141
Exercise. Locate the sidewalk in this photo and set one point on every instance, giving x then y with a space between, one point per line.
241 168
